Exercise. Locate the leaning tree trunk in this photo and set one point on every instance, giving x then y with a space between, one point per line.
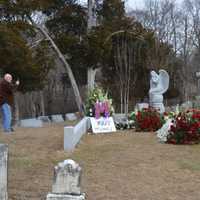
68 69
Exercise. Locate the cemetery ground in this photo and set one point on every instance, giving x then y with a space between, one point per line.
119 166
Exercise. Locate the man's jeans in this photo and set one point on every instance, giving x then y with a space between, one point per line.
7 116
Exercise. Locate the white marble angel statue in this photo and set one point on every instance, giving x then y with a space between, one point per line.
159 84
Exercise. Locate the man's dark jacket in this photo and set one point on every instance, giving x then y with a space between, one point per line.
6 92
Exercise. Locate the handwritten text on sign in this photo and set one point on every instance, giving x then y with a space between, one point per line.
102 125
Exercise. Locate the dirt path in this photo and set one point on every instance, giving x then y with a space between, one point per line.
120 166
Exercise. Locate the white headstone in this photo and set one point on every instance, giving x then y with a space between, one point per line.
120 120
66 185
119 116
44 119
67 178
186 105
32 123
71 116
57 118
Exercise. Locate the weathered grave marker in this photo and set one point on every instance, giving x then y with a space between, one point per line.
66 182
3 171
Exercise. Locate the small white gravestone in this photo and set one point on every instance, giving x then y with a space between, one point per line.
71 116
163 132
31 123
119 117
186 106
44 119
66 184
57 118
3 171
102 125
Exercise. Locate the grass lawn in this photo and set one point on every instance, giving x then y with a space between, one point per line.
120 166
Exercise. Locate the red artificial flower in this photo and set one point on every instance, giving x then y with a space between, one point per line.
185 128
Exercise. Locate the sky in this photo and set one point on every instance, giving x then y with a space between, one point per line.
129 3
132 4
136 4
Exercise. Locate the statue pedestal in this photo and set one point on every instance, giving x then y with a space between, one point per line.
140 106
158 106
156 101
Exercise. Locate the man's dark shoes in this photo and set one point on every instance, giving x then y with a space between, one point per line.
9 131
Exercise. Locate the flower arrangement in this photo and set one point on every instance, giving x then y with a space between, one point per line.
101 109
98 104
185 128
148 119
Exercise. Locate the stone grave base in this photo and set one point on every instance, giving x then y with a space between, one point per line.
65 197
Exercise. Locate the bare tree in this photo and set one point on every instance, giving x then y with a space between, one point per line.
126 47
163 17
192 10
172 25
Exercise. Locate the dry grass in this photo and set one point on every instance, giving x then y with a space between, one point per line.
120 166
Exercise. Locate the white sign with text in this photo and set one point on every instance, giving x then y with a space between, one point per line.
102 125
